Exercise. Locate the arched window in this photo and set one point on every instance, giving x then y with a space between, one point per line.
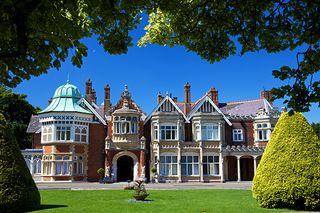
77 134
84 135
44 134
50 134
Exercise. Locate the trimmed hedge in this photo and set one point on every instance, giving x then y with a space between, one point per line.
18 192
288 175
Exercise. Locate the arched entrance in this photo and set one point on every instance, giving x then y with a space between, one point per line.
124 168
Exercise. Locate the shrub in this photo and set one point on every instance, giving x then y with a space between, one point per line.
288 175
101 171
18 192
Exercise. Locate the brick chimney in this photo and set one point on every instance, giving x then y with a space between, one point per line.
213 95
175 99
266 94
159 98
187 98
107 103
88 90
93 96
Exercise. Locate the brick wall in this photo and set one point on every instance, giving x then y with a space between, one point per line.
36 141
97 134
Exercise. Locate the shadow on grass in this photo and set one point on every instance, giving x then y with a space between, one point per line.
48 206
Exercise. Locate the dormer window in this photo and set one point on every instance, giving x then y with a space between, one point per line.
125 125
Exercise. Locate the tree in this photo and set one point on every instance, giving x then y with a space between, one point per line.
18 192
17 111
316 128
288 174
39 34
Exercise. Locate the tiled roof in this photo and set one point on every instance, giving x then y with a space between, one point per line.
180 105
245 108
34 124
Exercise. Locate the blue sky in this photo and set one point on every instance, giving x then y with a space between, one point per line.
150 69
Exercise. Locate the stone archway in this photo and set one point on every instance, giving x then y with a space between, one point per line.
123 162
124 168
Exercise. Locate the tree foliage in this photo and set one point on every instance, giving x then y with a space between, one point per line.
17 111
18 192
288 175
316 128
36 35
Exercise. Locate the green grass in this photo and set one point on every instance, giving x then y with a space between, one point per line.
202 200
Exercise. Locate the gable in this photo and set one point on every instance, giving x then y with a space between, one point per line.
166 105
206 105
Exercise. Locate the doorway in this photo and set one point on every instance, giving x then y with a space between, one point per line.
124 168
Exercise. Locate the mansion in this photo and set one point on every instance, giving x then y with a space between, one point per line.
201 141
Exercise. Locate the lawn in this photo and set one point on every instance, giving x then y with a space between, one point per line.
202 200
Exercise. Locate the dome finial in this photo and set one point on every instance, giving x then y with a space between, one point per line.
68 77
126 92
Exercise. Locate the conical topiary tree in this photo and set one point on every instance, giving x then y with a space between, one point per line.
18 192
288 175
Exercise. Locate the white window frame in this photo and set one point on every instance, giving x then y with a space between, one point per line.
172 129
205 131
125 125
237 135
156 132
62 164
168 165
212 165
262 132
63 133
192 166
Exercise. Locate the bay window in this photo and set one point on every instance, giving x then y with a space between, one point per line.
62 165
168 165
210 165
189 165
168 132
125 125
63 133
207 132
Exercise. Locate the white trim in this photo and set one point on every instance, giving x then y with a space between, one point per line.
266 105
172 102
135 163
82 100
194 110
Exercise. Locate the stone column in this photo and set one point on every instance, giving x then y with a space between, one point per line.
179 162
178 130
201 163
158 160
254 164
221 167
238 168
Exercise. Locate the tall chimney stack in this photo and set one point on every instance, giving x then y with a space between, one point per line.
266 94
187 98
107 103
213 95
93 96
88 90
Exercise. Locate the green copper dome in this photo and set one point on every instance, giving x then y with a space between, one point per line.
66 99
67 91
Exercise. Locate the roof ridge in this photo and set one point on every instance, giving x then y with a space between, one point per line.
243 101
